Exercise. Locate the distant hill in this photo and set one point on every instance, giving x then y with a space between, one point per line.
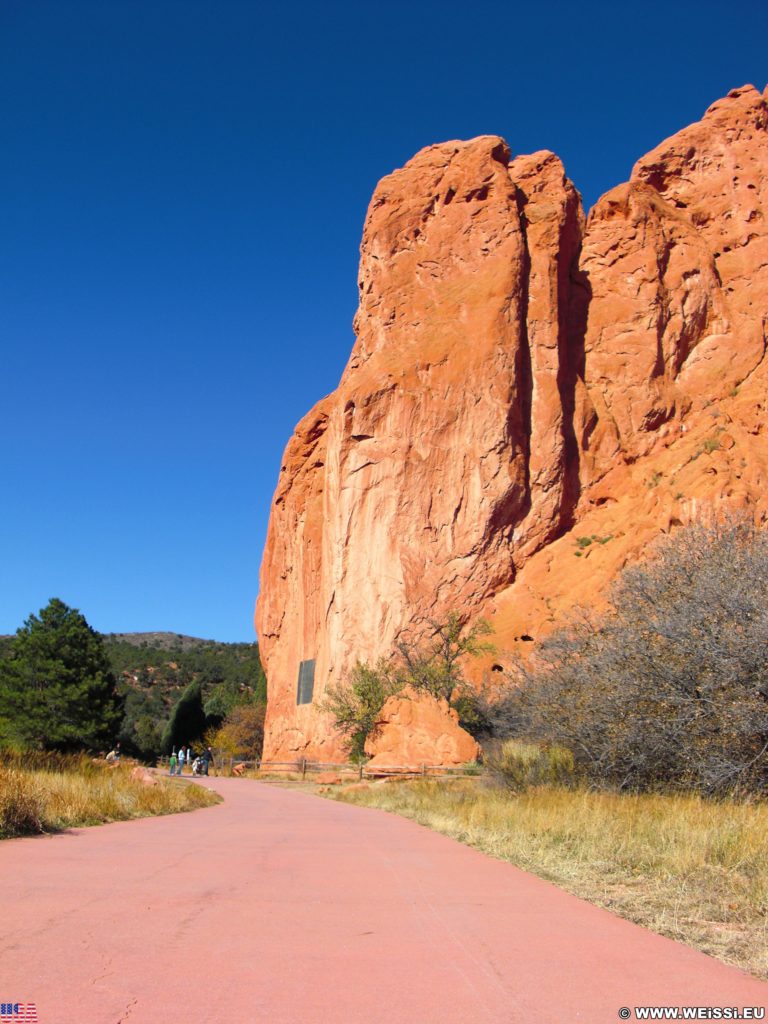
161 641
154 669
168 641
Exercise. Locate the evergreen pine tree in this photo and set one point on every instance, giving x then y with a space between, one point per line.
57 690
187 722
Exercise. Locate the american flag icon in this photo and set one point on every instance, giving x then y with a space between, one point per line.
18 1013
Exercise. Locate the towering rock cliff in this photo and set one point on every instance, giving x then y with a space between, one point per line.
522 378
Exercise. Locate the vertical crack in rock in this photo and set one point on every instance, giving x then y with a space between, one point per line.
524 370
570 383
551 211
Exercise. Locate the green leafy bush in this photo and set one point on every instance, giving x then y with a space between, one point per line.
356 704
429 659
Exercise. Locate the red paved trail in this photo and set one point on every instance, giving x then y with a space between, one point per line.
280 907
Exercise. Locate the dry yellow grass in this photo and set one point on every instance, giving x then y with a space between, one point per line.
692 869
76 793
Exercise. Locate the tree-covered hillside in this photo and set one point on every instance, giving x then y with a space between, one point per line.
149 673
154 670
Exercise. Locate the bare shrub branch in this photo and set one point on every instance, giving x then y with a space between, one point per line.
670 687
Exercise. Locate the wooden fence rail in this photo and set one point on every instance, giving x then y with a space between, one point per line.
303 766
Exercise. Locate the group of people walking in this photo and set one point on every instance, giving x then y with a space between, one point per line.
200 764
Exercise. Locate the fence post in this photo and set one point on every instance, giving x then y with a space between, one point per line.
303 767
423 769
361 771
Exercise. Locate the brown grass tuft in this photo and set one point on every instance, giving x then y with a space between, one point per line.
73 792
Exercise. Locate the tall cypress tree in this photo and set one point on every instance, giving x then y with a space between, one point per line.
57 689
187 722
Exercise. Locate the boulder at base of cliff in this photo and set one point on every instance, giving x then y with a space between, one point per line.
142 775
415 729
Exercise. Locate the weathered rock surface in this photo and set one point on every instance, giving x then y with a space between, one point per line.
714 172
521 378
415 729
327 778
143 776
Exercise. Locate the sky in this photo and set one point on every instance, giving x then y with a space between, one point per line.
183 186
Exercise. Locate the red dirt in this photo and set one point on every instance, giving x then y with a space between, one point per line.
279 907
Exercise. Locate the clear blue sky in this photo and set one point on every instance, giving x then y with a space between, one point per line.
182 190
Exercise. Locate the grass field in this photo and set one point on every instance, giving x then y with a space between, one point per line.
46 793
691 869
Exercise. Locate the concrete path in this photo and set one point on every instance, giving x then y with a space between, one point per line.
280 907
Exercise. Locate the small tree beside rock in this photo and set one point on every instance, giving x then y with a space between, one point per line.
427 661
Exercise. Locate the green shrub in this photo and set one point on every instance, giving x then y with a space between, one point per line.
475 709
355 705
587 541
429 658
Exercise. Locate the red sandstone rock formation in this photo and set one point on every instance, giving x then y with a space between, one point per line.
415 729
140 774
327 779
520 379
